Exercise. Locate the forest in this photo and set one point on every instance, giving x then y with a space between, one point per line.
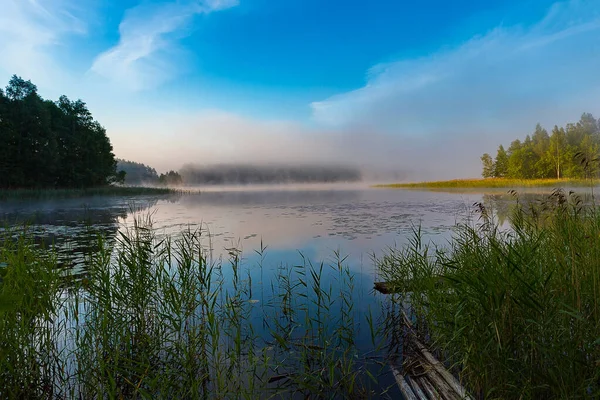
570 152
51 144
141 174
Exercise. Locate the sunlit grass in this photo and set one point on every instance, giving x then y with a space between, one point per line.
493 183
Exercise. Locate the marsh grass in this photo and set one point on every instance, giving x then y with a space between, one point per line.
493 183
18 194
514 312
155 317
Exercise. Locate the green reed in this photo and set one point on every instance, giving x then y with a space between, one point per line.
514 312
155 317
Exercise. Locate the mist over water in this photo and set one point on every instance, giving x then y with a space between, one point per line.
228 174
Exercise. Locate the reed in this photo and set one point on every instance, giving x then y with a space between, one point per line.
514 312
155 317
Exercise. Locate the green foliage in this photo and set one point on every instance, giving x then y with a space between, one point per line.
488 166
45 144
501 163
516 311
171 178
543 156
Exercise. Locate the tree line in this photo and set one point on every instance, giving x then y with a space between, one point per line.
231 174
137 174
51 144
569 152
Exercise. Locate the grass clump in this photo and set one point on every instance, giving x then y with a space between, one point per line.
154 317
515 312
18 194
492 183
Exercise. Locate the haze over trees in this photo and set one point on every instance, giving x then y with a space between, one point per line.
257 174
570 152
171 178
137 173
47 144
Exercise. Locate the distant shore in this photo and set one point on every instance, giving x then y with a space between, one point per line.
492 183
16 194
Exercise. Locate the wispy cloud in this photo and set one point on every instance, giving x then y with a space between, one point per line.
498 84
145 54
30 30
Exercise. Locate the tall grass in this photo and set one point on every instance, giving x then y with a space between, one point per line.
516 312
493 183
155 317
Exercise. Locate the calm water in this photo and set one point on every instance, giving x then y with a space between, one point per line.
357 221
297 224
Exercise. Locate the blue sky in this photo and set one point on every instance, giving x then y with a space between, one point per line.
422 87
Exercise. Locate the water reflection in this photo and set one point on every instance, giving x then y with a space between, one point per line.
318 221
503 205
70 226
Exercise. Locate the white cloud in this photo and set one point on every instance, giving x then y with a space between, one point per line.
498 84
144 56
30 30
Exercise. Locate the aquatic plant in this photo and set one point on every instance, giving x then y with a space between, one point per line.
515 312
155 317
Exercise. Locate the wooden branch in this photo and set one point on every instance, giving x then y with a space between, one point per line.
405 388
435 364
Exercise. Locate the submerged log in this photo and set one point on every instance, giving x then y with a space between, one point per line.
415 387
426 377
429 389
405 388
449 379
388 287
399 287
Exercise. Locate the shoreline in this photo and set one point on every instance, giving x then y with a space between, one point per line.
17 194
491 183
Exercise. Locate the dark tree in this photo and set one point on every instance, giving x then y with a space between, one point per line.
44 144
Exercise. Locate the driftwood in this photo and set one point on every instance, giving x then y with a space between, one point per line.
415 387
447 378
424 377
399 287
388 287
407 392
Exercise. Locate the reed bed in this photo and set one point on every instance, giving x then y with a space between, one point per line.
515 313
155 317
494 183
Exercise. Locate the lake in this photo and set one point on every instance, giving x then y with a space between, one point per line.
274 227
317 220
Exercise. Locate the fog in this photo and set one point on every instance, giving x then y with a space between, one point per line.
428 117
209 139
261 174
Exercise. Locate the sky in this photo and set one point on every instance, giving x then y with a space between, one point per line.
417 89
